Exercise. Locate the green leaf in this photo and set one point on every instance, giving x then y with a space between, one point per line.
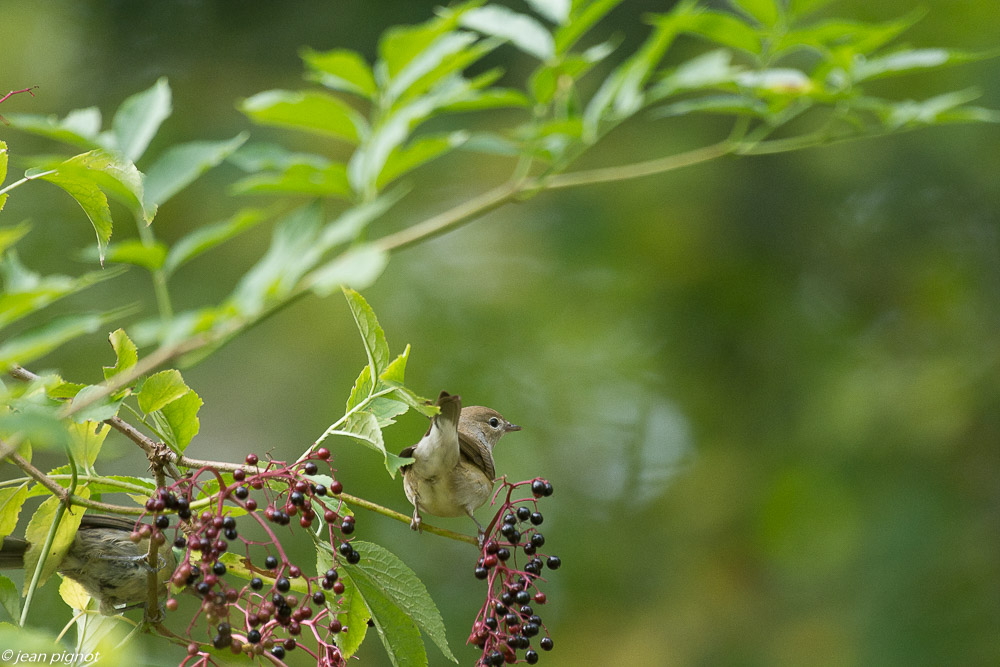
387 409
305 179
372 335
842 40
447 54
11 235
621 94
521 30
556 11
136 253
38 530
395 371
160 389
341 69
205 238
36 343
10 599
11 501
765 12
180 421
399 46
738 105
139 117
724 29
126 353
99 410
897 115
3 161
352 610
399 604
73 178
907 61
180 165
708 70
362 389
416 153
26 292
802 7
310 111
79 128
86 439
291 254
583 17
363 427
358 267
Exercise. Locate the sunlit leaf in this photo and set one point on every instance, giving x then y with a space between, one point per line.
352 611
341 69
725 104
521 30
180 423
376 347
724 29
36 343
11 235
305 179
209 236
136 253
802 7
180 165
765 12
400 45
905 62
310 111
556 11
357 267
26 292
418 152
73 178
10 600
397 600
126 353
160 389
11 500
79 128
582 19
38 530
139 117
86 439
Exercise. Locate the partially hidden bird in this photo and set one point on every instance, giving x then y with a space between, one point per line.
104 561
453 471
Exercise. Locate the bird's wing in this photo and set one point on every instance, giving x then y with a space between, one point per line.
108 521
472 452
436 447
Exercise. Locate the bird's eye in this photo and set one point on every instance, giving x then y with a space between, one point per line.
494 422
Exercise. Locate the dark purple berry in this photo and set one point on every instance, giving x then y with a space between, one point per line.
270 562
523 513
554 562
538 488
282 584
531 657
546 643
536 518
482 573
256 583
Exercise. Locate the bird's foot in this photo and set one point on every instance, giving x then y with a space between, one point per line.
416 522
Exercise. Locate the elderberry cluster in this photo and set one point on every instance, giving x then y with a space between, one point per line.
508 623
256 610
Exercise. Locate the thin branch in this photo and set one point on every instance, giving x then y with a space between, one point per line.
393 514
638 169
454 217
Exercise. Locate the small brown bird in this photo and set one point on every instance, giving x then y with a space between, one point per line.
104 561
453 470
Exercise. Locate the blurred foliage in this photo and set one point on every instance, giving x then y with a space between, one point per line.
765 388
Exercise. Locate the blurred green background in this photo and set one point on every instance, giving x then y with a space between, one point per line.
766 390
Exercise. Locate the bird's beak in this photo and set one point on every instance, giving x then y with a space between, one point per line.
511 427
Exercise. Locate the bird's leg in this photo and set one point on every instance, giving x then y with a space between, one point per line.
480 534
416 520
